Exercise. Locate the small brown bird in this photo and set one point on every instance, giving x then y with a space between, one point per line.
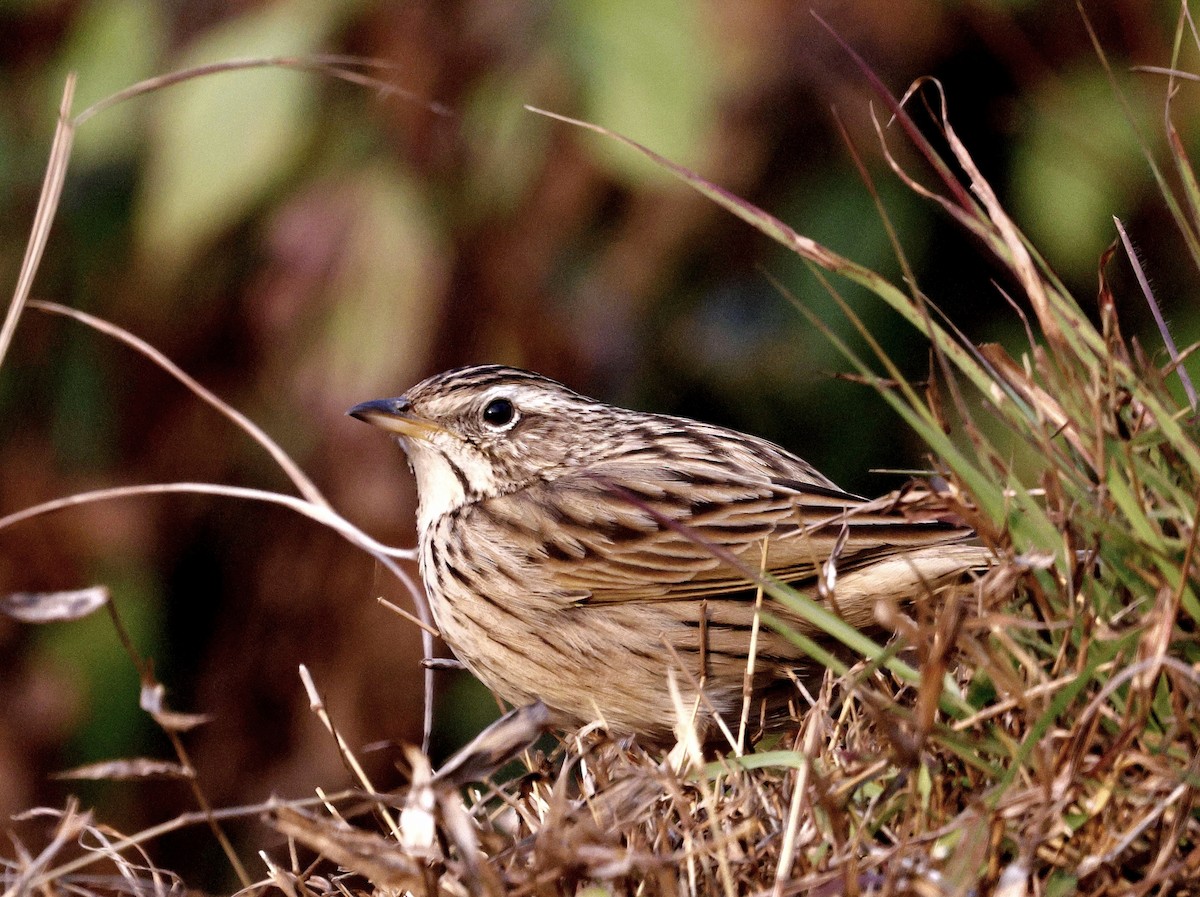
564 546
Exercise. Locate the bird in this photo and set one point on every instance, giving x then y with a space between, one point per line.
596 558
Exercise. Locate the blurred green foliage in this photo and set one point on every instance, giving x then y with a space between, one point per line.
1080 164
644 68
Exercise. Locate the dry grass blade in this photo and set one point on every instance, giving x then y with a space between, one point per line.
496 745
382 553
1163 330
56 175
370 855
1043 405
336 66
50 871
71 824
128 769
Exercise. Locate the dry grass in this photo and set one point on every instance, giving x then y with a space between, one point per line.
1037 733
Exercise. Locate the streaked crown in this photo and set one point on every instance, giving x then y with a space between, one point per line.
476 432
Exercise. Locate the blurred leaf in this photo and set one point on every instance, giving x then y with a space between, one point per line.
646 70
1061 884
152 699
836 210
507 142
388 281
52 607
82 425
1075 165
464 708
133 768
112 44
222 142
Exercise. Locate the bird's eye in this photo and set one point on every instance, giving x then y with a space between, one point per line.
499 413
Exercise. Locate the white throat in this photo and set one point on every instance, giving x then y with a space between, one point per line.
440 487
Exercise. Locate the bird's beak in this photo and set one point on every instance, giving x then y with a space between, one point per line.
395 416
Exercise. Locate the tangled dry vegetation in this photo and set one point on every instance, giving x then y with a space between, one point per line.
1037 732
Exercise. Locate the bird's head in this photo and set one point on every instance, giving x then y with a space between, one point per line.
477 432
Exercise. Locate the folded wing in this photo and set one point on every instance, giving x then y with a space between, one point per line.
618 534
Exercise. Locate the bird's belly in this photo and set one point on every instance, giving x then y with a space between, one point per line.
607 662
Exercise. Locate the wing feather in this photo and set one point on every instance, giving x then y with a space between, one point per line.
621 534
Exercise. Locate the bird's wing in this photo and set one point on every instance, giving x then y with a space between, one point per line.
621 536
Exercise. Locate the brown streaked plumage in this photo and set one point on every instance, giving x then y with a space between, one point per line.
561 543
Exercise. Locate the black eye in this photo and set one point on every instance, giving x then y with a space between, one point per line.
499 412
